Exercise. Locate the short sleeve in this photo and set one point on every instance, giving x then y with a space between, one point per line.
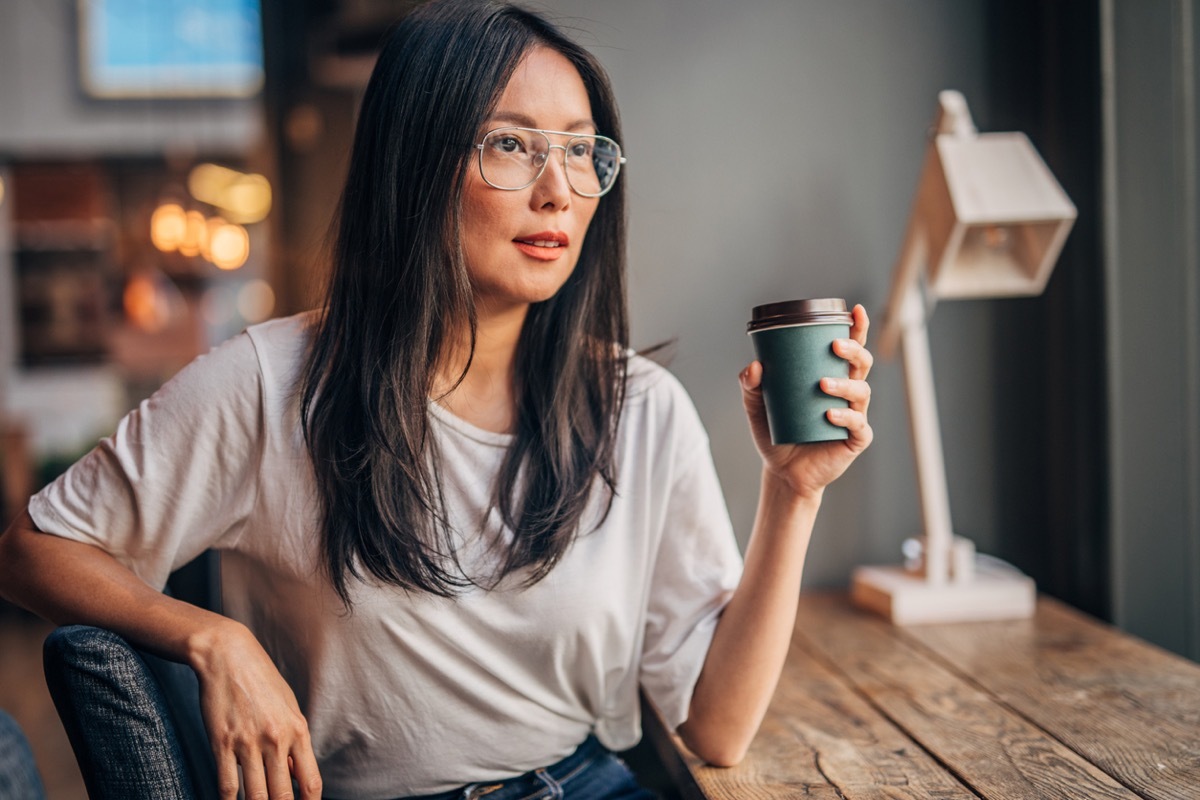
178 475
696 570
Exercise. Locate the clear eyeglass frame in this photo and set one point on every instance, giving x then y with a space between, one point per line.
604 167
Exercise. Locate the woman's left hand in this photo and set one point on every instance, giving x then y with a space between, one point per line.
751 641
808 468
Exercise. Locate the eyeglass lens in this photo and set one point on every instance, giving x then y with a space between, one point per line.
513 158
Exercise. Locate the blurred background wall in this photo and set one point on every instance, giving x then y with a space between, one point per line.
773 149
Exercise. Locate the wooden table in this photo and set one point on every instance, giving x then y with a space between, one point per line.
1055 706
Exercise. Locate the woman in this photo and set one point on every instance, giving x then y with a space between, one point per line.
460 523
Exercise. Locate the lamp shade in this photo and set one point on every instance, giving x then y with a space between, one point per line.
995 218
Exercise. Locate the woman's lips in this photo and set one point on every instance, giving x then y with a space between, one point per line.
544 246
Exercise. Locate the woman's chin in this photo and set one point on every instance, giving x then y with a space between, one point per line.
497 299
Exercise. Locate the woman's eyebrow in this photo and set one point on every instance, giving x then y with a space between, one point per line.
525 121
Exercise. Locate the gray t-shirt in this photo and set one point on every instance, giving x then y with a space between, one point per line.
411 693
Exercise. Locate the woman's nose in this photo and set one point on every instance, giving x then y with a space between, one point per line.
552 186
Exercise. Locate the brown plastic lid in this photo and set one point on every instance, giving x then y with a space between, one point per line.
819 311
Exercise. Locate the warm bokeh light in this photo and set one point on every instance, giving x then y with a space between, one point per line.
248 200
207 182
224 243
303 127
194 233
146 307
256 300
229 246
168 224
211 226
243 198
1 190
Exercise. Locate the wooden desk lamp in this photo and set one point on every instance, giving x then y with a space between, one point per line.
988 220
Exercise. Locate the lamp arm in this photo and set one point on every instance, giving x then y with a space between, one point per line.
912 259
953 116
905 277
926 437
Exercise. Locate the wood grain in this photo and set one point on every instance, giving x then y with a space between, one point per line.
993 749
820 740
1125 705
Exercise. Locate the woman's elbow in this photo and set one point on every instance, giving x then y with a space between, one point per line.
725 759
23 562
716 746
13 552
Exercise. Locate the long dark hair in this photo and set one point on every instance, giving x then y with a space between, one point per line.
400 292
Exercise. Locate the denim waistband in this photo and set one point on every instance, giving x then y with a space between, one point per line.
539 783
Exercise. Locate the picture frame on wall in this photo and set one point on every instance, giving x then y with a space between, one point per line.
63 240
64 301
170 49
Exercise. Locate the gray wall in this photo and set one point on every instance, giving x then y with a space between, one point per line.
773 149
1153 310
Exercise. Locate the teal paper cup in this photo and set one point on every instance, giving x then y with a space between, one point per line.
794 342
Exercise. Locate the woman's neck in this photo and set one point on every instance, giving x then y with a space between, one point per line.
486 397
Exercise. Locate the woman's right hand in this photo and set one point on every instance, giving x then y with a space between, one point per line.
250 712
252 718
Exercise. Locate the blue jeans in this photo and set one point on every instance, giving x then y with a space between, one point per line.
19 779
590 773
134 723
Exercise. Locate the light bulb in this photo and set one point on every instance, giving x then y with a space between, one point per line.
168 224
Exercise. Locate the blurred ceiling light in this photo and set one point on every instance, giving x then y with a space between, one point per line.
229 246
256 300
206 182
194 233
168 224
242 197
211 226
248 200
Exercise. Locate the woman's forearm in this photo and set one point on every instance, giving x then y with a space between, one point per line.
752 637
68 582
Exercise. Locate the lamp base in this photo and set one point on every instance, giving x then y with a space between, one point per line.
906 598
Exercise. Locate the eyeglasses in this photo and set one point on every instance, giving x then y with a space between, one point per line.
514 158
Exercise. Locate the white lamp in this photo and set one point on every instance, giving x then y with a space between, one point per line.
988 220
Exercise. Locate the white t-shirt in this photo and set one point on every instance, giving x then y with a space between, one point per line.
412 693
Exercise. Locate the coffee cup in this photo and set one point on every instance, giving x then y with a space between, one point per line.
794 342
